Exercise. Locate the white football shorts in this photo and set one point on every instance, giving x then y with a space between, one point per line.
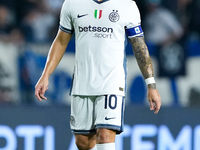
89 113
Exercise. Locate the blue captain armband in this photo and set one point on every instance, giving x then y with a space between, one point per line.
135 31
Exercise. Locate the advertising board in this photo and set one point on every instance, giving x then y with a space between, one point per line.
47 128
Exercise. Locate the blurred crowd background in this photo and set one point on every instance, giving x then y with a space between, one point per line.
172 33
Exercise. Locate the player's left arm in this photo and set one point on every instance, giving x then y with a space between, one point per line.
145 64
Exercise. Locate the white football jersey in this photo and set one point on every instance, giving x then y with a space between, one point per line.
100 27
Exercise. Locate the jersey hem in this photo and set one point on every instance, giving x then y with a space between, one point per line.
74 94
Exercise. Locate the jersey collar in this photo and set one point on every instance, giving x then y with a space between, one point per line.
101 1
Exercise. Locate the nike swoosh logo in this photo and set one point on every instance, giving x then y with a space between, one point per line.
79 16
106 118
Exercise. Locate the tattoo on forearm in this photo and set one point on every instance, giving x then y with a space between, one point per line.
152 86
142 55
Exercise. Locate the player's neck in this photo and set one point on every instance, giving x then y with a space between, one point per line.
99 0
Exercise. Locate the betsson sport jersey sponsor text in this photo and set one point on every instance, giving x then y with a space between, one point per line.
99 32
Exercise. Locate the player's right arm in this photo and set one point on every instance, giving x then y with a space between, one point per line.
55 54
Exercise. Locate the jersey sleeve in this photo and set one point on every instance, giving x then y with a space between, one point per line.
133 26
65 18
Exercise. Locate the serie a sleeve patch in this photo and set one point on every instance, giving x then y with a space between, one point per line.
135 31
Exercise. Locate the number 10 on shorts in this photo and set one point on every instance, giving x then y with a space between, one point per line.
110 101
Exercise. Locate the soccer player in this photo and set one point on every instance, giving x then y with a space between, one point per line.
99 80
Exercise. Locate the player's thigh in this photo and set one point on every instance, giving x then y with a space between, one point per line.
109 112
85 142
82 115
105 136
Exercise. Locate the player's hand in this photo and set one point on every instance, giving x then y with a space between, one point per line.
41 87
154 100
